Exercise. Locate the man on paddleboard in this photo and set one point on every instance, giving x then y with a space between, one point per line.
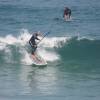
32 41
67 13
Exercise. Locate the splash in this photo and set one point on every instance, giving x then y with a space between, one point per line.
48 55
17 47
52 42
25 57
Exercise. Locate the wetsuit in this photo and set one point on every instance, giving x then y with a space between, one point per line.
32 42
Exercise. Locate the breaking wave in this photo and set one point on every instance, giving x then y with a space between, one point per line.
16 49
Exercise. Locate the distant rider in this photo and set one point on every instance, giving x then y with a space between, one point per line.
67 13
32 41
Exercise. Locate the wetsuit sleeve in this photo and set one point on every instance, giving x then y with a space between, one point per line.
30 43
37 38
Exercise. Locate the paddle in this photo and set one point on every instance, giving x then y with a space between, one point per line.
44 37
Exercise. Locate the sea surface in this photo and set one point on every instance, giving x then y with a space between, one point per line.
71 49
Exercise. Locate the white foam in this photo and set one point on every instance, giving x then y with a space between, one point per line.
9 39
22 40
24 37
52 42
26 57
2 46
8 55
48 55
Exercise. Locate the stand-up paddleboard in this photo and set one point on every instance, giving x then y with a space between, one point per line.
38 60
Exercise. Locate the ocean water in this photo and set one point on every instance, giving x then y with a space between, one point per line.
72 50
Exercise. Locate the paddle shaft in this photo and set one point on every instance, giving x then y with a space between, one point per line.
43 37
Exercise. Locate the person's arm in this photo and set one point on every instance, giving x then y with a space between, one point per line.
39 34
30 43
37 38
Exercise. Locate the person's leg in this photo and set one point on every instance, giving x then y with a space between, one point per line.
34 49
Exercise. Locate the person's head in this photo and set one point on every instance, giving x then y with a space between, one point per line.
38 33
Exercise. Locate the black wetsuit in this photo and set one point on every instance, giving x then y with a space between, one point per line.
32 42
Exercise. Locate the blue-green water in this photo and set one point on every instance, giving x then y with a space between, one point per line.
71 50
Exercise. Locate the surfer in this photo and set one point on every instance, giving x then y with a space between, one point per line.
32 41
67 13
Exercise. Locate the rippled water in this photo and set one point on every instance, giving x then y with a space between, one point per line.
71 50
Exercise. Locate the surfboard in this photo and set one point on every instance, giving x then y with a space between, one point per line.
38 60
